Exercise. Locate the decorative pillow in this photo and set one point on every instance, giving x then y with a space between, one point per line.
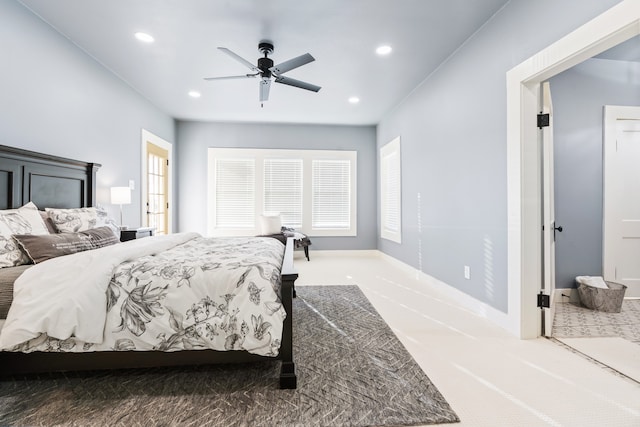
80 219
47 222
270 224
42 248
24 220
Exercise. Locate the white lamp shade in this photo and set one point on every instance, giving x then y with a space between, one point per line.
120 195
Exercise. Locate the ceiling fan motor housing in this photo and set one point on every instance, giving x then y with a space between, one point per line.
264 64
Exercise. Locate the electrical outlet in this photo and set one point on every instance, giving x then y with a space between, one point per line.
467 272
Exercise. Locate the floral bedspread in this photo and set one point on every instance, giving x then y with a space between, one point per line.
207 293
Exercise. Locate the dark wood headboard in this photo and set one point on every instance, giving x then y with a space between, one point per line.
48 181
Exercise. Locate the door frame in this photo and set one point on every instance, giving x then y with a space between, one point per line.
524 192
545 135
611 115
165 145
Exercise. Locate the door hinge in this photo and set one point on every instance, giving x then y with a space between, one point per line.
543 120
543 300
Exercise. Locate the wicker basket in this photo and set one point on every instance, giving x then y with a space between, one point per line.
609 300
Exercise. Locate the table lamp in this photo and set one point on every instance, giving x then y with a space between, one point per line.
121 196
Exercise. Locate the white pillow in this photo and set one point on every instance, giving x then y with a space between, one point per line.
80 219
270 224
24 220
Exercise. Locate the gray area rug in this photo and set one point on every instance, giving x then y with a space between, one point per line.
352 371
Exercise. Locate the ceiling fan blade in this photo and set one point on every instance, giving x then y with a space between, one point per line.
246 76
297 83
265 85
240 59
292 63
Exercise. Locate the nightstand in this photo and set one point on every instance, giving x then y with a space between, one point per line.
136 233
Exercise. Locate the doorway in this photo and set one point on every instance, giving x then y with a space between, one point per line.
525 261
156 183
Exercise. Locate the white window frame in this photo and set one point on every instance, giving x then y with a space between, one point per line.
260 155
390 152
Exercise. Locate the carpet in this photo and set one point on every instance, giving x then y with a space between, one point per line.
352 371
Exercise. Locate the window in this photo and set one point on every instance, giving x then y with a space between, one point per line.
314 191
283 190
235 193
331 194
390 192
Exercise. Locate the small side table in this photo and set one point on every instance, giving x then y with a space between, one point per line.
136 233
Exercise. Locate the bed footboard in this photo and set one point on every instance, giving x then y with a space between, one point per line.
288 379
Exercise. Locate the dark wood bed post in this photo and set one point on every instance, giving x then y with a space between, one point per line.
288 379
92 169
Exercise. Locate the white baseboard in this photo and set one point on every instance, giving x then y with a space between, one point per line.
572 294
352 252
464 300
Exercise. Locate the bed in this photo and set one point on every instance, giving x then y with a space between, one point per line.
60 183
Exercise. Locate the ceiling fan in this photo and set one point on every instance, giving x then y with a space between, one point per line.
269 72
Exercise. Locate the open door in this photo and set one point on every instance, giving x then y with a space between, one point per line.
157 159
549 228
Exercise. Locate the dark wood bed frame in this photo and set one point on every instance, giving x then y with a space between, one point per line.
56 182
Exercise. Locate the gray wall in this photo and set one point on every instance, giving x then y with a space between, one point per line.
56 99
579 95
453 131
196 137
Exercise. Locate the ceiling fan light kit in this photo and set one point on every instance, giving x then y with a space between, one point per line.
269 72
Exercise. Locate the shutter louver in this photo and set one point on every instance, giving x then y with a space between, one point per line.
391 216
235 193
331 196
391 192
283 190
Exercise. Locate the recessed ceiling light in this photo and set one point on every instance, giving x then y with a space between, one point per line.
144 37
354 100
194 94
383 50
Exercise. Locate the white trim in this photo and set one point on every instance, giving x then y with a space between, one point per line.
572 292
165 145
614 26
344 252
464 300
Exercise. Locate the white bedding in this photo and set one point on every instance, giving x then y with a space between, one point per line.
173 292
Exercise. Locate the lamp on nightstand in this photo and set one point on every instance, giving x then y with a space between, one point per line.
120 196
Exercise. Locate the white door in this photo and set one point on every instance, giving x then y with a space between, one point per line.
548 211
621 248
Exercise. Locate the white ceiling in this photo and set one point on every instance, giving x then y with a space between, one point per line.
341 34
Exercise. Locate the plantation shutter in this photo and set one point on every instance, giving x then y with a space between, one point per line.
391 191
235 193
331 199
283 190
